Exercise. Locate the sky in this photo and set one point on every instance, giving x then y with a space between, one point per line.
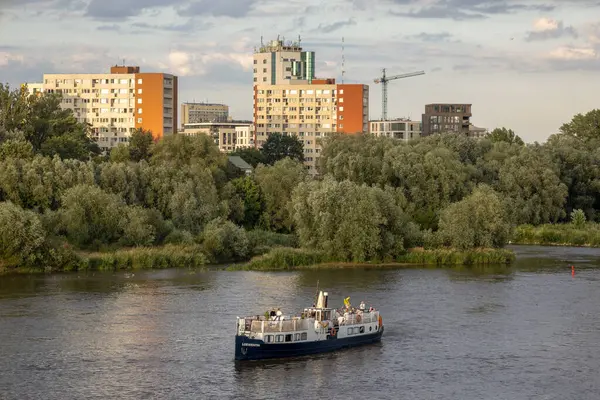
526 65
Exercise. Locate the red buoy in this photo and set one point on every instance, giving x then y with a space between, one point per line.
572 270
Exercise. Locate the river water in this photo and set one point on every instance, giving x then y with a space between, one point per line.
532 332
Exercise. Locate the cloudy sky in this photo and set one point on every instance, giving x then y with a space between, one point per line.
529 65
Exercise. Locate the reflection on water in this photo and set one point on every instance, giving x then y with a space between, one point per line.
529 331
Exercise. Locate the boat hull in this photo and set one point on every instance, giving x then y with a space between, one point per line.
253 349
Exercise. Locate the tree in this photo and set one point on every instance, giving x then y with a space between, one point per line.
223 241
478 220
249 191
277 183
50 129
578 218
140 144
22 236
505 135
251 155
279 146
584 126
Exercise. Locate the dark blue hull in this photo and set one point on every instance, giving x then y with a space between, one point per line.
253 349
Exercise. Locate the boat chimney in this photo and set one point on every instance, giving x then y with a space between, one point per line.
321 300
326 296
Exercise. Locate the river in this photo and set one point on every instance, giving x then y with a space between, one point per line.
532 332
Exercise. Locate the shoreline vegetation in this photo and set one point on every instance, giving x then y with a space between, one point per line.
177 201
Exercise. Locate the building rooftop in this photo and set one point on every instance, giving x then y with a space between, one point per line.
240 163
278 45
224 123
203 104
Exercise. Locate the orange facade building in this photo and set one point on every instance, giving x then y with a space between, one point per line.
117 103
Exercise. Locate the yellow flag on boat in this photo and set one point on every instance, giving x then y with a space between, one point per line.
347 302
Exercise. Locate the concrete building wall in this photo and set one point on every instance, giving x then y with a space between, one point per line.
443 118
400 129
194 113
116 104
309 112
278 63
229 136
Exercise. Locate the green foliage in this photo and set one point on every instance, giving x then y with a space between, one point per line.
278 146
479 220
445 256
91 217
120 154
22 236
50 129
146 258
249 192
558 235
260 241
140 145
578 218
282 258
351 222
584 126
505 135
223 241
277 183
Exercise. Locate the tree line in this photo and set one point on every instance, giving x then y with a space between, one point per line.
374 197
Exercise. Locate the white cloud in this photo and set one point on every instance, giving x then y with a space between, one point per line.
6 57
545 24
187 63
574 53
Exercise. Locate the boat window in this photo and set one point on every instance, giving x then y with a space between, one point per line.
269 339
370 328
304 336
362 329
288 338
297 337
279 338
349 331
355 330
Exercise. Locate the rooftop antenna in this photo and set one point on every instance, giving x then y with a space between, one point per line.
261 41
343 61
123 62
299 40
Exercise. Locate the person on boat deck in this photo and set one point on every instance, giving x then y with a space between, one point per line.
362 306
279 314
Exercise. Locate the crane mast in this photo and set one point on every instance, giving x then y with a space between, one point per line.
384 87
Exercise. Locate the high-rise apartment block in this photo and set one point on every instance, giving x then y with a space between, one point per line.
196 113
444 118
278 63
290 100
117 103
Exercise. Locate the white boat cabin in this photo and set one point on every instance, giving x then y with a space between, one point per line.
314 323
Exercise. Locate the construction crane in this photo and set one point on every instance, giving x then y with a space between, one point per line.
384 81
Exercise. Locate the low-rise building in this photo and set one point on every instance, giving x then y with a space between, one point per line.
229 136
401 129
476 132
194 113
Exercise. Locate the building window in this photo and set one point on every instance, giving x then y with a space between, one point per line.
139 121
341 99
140 81
341 108
264 79
139 101
139 111
139 91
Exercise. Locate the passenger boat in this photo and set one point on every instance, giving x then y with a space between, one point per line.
317 329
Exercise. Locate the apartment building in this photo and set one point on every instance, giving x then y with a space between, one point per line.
443 118
401 129
229 136
195 113
310 112
278 62
117 103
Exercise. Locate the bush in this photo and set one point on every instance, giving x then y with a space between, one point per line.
281 258
224 241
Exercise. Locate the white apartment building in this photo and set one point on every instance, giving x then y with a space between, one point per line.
278 63
310 112
229 136
401 129
117 103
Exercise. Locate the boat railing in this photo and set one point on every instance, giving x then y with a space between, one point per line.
292 325
360 318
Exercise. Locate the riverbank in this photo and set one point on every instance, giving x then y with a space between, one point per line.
587 235
290 258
